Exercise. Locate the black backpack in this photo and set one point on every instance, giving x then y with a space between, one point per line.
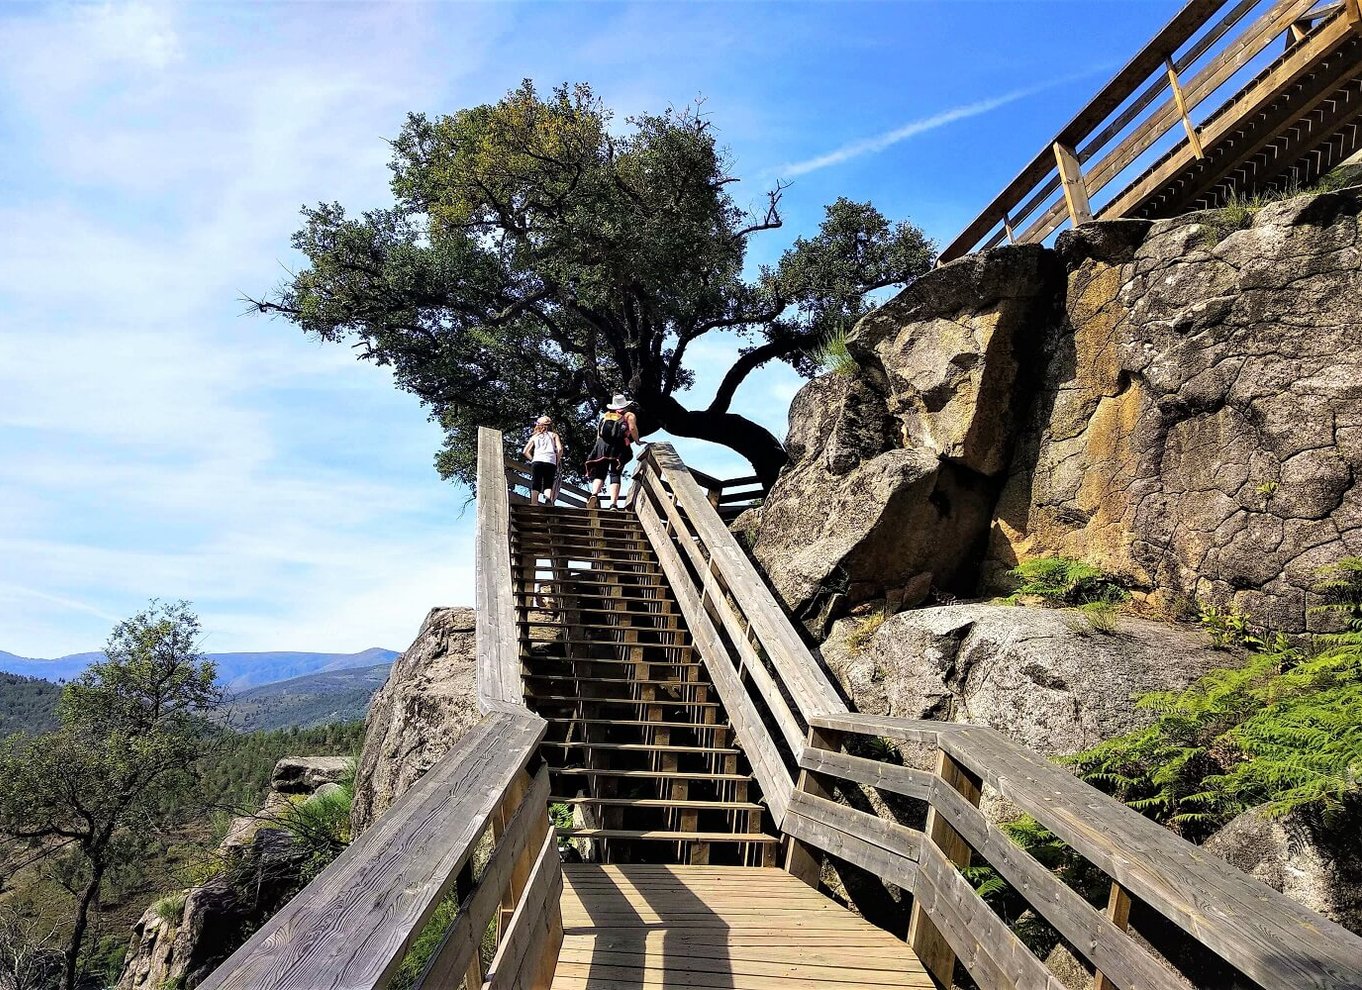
614 429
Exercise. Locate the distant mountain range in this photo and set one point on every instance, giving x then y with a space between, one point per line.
29 705
236 671
311 700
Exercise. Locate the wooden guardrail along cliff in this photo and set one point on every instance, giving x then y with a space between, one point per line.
1296 118
633 667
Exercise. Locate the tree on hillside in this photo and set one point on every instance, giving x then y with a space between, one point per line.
538 260
116 771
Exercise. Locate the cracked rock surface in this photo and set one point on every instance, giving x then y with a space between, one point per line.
428 703
1041 676
1198 430
1175 403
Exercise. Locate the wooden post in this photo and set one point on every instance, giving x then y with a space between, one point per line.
1007 228
1352 10
1193 138
1118 913
1075 189
803 861
935 952
515 794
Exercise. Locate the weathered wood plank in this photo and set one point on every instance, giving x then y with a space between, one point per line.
544 888
896 839
776 782
882 776
1268 936
897 869
927 941
450 961
993 955
497 649
1102 943
886 726
350 927
800 673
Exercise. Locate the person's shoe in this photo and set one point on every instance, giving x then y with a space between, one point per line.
593 502
612 506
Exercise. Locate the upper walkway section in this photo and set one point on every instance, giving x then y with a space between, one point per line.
1284 78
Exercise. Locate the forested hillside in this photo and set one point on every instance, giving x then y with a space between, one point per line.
27 704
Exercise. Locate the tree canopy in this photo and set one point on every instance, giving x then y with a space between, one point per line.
536 260
89 795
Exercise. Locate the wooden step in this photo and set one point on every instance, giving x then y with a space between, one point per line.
519 586
649 835
664 702
610 660
562 546
681 639
611 642
696 803
643 747
639 723
607 626
575 574
650 774
591 679
578 595
605 525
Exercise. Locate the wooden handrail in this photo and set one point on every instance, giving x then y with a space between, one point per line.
1268 937
351 927
497 643
1117 127
761 669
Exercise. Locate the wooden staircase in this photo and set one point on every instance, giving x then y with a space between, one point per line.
639 748
633 669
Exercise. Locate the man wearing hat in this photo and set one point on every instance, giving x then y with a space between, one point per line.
615 435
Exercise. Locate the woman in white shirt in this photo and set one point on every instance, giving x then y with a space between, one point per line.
544 452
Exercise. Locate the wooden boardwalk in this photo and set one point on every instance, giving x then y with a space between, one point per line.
650 926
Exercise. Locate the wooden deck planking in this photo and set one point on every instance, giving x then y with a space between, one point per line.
643 926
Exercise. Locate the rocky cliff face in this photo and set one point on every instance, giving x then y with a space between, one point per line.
1042 676
1177 403
179 941
428 703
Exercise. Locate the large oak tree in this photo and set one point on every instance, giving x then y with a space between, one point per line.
538 259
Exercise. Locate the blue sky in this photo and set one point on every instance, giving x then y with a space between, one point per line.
157 442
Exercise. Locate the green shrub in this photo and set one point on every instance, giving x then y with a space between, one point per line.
1340 585
1284 730
170 908
1101 617
1229 628
424 945
832 355
321 822
1060 581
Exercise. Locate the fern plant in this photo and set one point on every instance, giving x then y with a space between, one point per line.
1063 581
1341 586
1283 731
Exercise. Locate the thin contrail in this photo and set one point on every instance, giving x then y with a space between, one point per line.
913 128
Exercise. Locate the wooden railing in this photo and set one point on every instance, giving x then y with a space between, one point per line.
1266 936
730 496
770 684
351 927
1101 146
790 721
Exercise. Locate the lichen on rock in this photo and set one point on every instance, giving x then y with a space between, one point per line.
428 702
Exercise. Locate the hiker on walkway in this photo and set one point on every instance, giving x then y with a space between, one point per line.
615 435
545 453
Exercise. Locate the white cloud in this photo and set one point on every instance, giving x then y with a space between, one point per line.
915 128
